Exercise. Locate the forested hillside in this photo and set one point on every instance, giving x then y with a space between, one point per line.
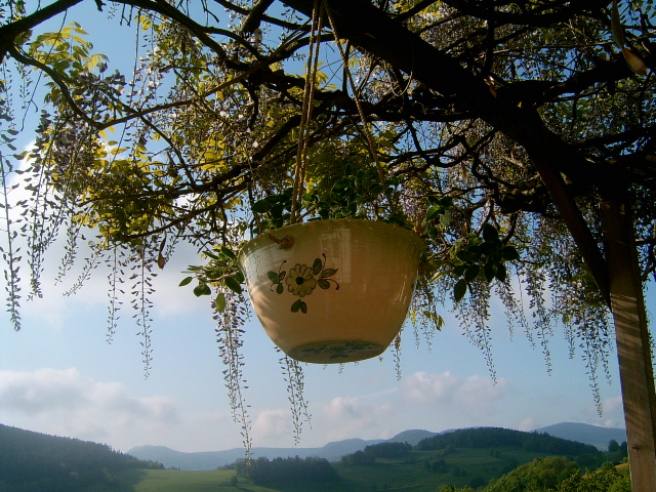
469 458
462 458
498 437
34 462
556 474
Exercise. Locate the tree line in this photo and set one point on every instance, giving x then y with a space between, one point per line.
34 462
498 437
288 471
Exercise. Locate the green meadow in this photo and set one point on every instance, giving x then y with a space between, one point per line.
194 481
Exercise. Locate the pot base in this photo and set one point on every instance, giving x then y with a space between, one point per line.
336 352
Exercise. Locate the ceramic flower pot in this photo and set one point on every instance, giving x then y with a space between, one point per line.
332 291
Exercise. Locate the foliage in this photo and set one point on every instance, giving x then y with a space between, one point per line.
490 436
389 450
540 474
556 474
31 462
606 479
299 472
541 112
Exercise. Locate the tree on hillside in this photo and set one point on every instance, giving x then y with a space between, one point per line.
540 474
606 479
517 138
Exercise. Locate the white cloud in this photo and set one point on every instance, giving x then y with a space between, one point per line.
62 401
367 416
527 424
272 427
432 401
465 393
612 412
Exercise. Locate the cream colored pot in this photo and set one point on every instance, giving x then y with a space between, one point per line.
332 291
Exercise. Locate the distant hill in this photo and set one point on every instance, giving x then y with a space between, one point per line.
412 436
334 451
589 434
496 437
35 462
465 457
209 460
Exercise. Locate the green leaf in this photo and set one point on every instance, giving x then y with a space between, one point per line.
463 255
471 273
328 272
273 276
501 272
434 211
297 306
279 289
490 234
239 277
264 205
233 285
303 307
220 302
488 248
490 271
202 290
435 318
616 27
228 252
185 281
317 266
459 290
324 284
510 253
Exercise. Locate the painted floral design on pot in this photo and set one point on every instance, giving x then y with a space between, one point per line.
301 280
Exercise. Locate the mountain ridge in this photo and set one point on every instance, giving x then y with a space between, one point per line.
333 451
587 433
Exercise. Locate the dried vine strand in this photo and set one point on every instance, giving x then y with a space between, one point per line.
298 405
228 333
114 302
11 271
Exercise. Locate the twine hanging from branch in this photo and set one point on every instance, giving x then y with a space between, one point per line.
371 144
318 8
306 112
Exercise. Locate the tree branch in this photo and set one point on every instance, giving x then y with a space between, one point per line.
9 32
392 42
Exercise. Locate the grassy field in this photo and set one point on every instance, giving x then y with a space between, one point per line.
420 471
193 481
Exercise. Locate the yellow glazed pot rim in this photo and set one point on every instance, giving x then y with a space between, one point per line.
288 230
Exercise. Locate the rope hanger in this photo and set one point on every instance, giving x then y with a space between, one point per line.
319 7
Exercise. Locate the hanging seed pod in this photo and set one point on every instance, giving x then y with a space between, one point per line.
616 28
635 63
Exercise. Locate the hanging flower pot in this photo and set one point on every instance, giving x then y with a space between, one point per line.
332 291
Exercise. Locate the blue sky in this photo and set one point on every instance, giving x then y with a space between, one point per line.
59 375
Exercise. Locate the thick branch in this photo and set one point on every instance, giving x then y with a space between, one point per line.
392 42
252 21
9 32
481 10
